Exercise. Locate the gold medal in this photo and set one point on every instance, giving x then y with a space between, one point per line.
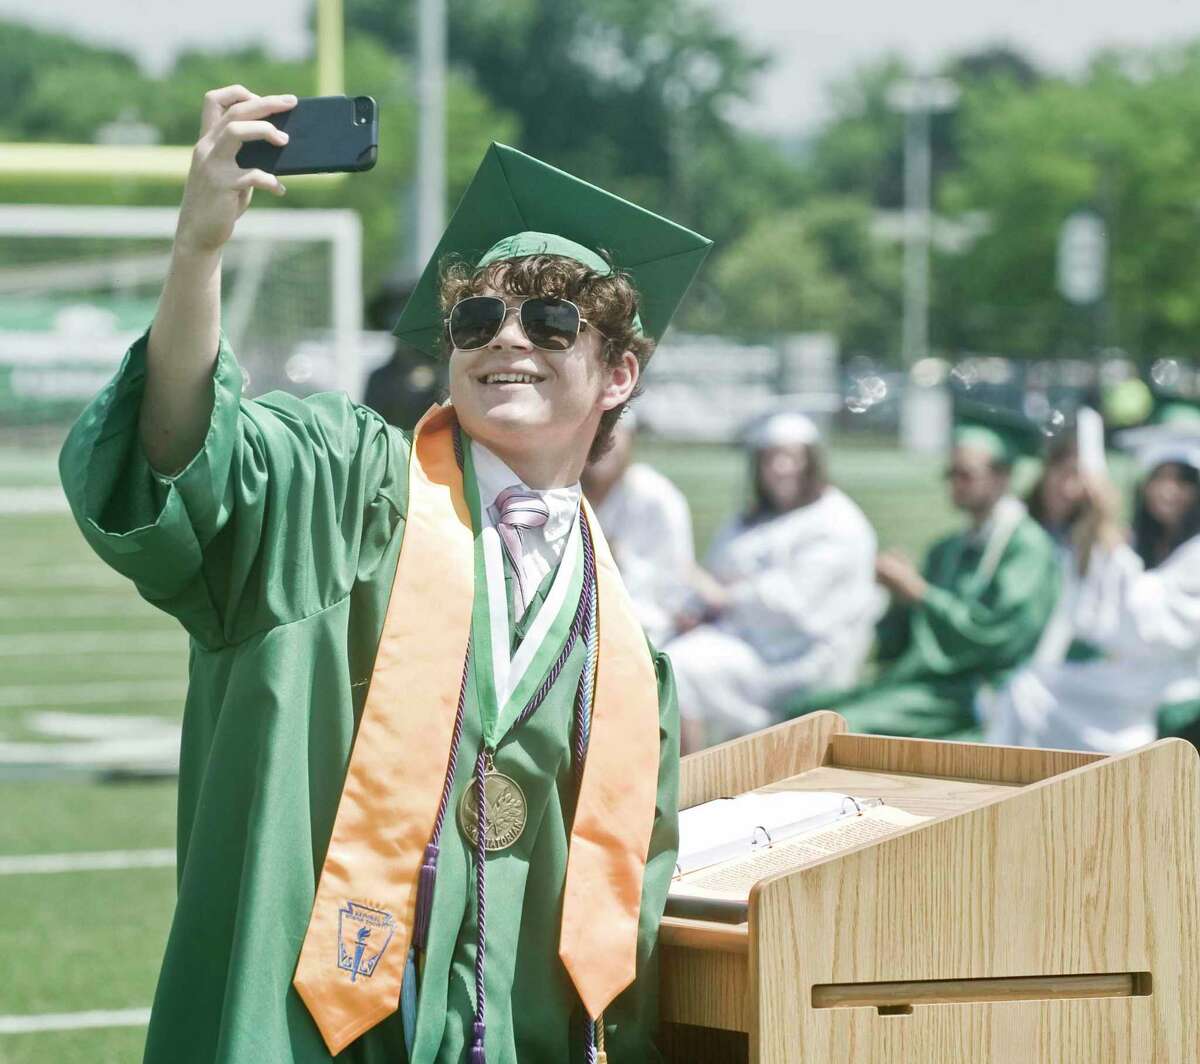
506 810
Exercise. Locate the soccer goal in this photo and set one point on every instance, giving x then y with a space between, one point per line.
79 284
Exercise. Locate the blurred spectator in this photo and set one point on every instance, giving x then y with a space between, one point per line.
1131 617
977 608
648 526
788 600
404 387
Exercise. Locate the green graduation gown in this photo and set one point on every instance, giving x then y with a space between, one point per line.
276 549
970 630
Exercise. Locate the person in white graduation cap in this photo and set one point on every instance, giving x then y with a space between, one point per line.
788 599
649 528
1133 622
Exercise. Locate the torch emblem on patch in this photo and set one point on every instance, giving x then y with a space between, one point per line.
363 935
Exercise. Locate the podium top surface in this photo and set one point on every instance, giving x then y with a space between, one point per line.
929 796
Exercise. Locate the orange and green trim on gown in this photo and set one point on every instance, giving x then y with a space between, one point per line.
277 549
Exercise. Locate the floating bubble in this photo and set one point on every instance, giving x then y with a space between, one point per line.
965 374
1053 423
874 388
1166 373
421 378
299 368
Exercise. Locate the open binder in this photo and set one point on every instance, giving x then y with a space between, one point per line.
1045 911
729 844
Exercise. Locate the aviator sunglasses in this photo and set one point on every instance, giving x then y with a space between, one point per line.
550 324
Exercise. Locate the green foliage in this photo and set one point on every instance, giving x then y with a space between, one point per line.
67 89
777 279
638 95
634 95
53 85
1125 140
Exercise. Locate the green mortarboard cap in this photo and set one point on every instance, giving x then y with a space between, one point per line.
1003 434
1172 434
517 205
1175 410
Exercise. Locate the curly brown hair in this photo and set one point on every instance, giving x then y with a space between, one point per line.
609 301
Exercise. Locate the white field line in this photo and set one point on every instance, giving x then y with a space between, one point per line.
33 500
101 726
35 573
31 605
74 1021
53 644
156 753
33 696
38 864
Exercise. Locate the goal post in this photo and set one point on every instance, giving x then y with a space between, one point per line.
79 283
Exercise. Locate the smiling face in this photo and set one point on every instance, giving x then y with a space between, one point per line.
515 398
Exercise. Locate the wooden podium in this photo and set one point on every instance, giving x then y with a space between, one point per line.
1047 913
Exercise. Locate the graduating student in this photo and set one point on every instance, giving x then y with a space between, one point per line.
789 603
428 780
977 607
1133 626
648 525
1076 503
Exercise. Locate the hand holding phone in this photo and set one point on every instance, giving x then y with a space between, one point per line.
218 191
326 134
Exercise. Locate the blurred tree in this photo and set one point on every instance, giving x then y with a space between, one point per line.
867 266
636 95
776 278
69 89
57 88
1125 139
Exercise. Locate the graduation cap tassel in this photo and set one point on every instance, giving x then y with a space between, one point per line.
428 875
425 886
478 1054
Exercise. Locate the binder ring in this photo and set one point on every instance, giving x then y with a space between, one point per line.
754 843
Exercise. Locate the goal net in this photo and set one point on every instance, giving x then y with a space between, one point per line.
79 284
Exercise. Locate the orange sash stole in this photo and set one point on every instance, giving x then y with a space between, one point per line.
351 964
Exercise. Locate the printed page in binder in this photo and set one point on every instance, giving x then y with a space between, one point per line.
722 891
733 827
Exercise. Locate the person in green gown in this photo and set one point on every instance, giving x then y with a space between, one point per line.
976 608
271 528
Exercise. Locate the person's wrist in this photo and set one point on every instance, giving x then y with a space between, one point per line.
189 247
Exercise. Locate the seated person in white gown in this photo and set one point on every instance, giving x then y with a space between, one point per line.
788 602
1125 643
648 525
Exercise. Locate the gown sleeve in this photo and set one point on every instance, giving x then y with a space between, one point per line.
825 583
632 1019
261 527
953 633
1145 613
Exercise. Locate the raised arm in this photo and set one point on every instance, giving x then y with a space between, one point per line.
184 338
233 514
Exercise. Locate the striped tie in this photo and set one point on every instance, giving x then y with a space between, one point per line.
515 509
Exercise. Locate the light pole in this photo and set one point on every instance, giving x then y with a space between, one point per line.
431 130
917 99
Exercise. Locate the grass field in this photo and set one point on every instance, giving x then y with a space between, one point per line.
75 639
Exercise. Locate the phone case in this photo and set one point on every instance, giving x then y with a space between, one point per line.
327 134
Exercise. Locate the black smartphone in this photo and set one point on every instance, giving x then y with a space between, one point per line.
326 135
